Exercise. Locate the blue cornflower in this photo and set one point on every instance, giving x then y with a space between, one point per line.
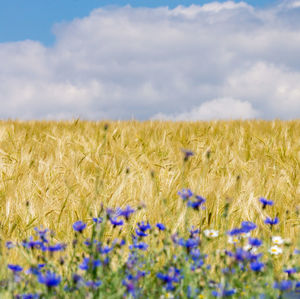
187 154
50 279
31 244
115 222
185 194
173 276
290 271
126 212
57 247
89 263
42 233
189 243
194 204
28 296
144 227
97 220
256 266
14 268
272 221
160 226
235 231
283 285
266 202
254 242
79 226
140 233
248 226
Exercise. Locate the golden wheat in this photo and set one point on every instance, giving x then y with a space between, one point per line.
54 173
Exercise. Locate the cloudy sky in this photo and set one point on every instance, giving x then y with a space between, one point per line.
178 60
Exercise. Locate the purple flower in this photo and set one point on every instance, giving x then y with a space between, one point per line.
185 194
57 247
290 271
115 222
248 226
144 227
79 226
235 231
283 285
196 204
256 266
140 233
272 221
50 279
254 242
42 233
126 212
160 226
266 202
187 154
14 268
28 296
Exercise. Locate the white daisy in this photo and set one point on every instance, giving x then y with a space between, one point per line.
211 233
275 250
233 239
277 240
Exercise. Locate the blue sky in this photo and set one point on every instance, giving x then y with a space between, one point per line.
63 59
34 19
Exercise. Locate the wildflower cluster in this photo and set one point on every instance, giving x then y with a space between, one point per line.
184 264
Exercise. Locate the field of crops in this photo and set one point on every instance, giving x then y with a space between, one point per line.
54 174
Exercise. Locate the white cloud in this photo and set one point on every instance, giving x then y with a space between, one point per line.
122 62
224 108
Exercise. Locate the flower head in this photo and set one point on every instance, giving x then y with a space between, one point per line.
266 202
256 266
14 268
211 233
275 250
185 194
254 242
248 226
126 212
187 154
160 226
79 226
277 240
50 279
272 221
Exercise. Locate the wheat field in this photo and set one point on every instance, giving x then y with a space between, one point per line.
54 173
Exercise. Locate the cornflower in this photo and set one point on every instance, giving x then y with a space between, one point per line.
160 226
79 226
185 194
14 268
283 285
266 202
187 154
50 279
272 222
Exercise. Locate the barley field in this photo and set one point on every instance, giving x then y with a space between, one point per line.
54 173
